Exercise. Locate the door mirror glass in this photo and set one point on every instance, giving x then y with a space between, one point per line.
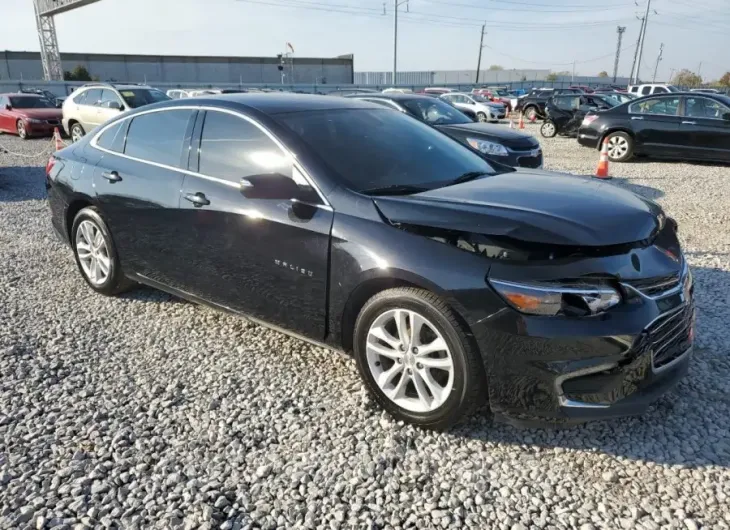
8 106
269 186
115 105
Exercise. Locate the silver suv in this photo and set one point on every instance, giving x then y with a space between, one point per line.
93 104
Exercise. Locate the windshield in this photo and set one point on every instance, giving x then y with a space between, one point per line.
500 93
672 88
29 102
379 148
481 99
435 112
138 97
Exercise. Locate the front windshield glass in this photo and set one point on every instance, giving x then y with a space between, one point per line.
499 93
29 102
138 97
435 112
672 88
481 99
372 149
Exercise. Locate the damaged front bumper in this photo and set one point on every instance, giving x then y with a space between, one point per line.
561 370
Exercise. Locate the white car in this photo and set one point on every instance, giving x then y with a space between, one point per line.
652 88
397 91
484 109
180 93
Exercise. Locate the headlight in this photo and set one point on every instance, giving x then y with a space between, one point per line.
488 148
550 299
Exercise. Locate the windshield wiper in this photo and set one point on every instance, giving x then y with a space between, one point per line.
466 177
395 189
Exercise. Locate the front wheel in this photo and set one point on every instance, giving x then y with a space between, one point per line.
22 131
482 117
548 129
416 358
531 114
620 146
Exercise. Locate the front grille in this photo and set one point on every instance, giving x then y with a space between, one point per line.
53 122
530 161
654 286
670 335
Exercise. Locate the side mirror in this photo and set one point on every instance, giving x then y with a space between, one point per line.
269 186
59 104
115 105
726 116
8 106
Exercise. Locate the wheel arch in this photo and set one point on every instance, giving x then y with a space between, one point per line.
77 204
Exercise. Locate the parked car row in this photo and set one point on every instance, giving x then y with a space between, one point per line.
453 280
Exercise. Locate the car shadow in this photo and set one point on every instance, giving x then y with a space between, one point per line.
22 183
645 191
638 160
686 426
143 293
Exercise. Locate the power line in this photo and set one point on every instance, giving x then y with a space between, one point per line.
588 9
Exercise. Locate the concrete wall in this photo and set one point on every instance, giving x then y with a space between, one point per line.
171 69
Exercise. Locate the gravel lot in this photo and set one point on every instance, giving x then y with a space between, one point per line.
150 412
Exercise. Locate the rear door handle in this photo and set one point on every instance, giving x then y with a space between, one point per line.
689 123
111 176
198 199
637 117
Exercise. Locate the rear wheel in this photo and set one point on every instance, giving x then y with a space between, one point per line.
95 253
531 113
22 131
548 129
77 132
620 146
416 358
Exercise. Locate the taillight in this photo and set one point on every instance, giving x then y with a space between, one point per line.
589 119
49 165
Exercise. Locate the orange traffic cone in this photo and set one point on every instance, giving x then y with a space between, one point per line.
533 119
522 121
602 169
57 138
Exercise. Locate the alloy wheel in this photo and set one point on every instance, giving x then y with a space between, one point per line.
93 252
76 133
409 360
618 146
548 129
482 117
22 132
531 113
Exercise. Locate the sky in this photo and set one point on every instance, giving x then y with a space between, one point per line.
432 34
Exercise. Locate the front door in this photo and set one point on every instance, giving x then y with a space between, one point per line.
88 108
655 122
5 117
108 107
705 128
138 188
267 258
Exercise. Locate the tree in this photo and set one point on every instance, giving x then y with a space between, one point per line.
603 74
80 73
551 77
725 80
496 67
686 78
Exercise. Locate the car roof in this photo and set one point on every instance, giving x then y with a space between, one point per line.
272 103
24 94
395 96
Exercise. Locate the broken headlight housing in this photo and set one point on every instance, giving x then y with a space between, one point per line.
550 299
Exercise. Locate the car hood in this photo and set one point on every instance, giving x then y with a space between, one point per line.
40 114
532 206
507 137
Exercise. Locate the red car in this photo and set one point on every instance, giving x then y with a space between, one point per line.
28 115
496 94
584 88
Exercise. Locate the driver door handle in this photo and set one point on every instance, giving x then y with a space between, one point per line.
111 176
637 117
198 199
689 123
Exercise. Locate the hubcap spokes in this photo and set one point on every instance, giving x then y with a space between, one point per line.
617 147
93 252
410 360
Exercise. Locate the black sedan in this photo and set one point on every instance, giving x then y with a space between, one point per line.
680 126
498 143
553 298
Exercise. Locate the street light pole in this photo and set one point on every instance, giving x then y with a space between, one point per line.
481 47
396 3
659 58
643 40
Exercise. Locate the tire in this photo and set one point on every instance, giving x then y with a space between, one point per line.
531 113
620 146
482 118
77 132
460 388
548 129
21 130
87 226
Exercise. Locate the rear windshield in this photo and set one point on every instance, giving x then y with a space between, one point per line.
366 147
26 102
435 112
138 97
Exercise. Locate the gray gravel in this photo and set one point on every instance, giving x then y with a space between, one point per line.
149 412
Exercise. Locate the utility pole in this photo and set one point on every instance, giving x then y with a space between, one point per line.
659 58
481 47
671 74
620 30
643 39
636 52
396 3
699 69
572 77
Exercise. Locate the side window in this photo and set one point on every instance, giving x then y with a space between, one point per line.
381 102
666 106
107 96
232 148
93 96
645 91
704 108
113 137
80 99
3 102
158 136
660 90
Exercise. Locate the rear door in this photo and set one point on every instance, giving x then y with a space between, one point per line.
138 183
88 109
267 258
655 122
704 129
